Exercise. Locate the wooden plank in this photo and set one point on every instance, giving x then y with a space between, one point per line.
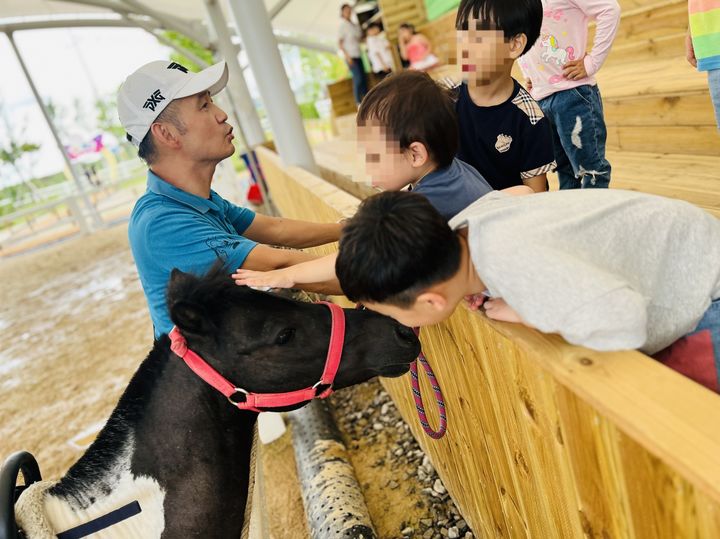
698 140
674 110
659 20
546 439
661 76
667 46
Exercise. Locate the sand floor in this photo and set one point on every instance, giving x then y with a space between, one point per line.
74 327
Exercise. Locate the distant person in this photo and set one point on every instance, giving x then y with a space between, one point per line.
503 132
416 48
349 36
379 52
180 222
702 45
561 77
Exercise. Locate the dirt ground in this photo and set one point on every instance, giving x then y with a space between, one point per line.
74 327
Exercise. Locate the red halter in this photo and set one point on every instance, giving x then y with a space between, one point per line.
246 400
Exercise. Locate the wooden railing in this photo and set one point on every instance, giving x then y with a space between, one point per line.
546 439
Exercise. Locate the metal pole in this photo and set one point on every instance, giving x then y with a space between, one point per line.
277 8
81 190
165 41
253 23
238 88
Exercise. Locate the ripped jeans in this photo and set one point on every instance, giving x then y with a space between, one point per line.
579 134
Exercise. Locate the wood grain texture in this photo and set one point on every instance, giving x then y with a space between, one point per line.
546 439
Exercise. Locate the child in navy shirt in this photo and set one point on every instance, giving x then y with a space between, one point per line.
408 129
503 132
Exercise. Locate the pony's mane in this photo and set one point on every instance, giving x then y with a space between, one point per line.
213 290
90 473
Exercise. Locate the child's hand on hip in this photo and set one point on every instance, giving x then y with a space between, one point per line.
575 69
497 309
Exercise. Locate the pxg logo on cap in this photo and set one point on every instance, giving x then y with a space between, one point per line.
149 90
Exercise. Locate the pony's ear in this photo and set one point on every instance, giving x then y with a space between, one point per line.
190 318
187 315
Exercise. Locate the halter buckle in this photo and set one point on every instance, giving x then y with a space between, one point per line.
242 392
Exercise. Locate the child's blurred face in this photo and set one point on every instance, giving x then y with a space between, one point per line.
373 31
405 33
483 52
388 167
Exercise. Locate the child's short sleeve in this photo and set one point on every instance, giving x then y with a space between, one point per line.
537 155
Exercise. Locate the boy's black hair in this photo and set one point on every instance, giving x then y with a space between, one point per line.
396 246
412 107
375 24
513 17
407 25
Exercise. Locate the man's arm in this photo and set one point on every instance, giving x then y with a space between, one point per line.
264 258
291 233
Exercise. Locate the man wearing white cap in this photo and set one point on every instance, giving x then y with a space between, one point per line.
179 222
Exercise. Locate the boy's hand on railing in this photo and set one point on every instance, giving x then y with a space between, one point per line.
497 309
280 278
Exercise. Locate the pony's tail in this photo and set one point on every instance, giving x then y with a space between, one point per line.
571 53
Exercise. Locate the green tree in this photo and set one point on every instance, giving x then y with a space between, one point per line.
107 117
191 46
14 151
11 155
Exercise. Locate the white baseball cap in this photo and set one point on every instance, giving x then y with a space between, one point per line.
146 93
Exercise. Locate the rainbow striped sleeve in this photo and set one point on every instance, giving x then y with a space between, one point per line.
705 30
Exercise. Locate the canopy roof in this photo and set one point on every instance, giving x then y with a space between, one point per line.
314 19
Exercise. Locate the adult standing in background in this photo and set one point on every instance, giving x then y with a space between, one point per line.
349 36
702 45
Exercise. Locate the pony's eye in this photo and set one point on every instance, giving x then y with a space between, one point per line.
285 336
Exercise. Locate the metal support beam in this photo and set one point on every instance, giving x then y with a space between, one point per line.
277 8
306 44
249 120
165 41
96 222
166 21
64 23
193 31
253 23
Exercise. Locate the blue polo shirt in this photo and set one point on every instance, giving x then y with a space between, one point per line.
170 228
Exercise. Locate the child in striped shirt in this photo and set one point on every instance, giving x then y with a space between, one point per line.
703 44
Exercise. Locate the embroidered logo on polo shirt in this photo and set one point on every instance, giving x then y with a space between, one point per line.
503 143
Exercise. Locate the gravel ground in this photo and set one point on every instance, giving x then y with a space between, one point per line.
405 496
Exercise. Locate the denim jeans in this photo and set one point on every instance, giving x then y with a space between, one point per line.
579 134
359 79
714 84
697 354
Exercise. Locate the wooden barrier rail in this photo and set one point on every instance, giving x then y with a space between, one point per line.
546 439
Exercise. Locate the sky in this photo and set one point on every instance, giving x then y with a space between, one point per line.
72 68
66 64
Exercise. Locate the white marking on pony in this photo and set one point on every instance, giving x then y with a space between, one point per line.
575 135
117 488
